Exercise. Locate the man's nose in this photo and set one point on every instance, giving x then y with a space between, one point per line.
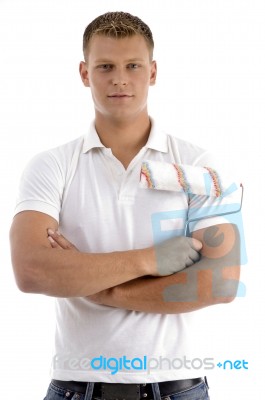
120 78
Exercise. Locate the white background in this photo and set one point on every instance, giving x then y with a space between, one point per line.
210 90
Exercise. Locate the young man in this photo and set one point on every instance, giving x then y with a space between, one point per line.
84 233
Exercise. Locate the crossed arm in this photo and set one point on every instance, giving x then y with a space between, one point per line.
129 279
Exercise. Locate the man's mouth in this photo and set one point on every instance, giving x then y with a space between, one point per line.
119 95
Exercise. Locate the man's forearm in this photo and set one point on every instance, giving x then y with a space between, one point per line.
75 274
212 280
46 262
179 293
39 268
101 271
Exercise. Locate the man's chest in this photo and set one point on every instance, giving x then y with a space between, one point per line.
106 210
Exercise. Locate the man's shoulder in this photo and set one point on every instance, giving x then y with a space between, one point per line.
57 161
67 149
61 154
167 140
185 151
184 144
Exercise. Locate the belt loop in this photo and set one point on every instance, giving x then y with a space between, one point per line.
205 378
156 391
89 391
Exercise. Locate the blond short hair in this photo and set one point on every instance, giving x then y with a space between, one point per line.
118 25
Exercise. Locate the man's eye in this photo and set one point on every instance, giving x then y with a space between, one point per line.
105 67
133 66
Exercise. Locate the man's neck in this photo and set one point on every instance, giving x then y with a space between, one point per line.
124 138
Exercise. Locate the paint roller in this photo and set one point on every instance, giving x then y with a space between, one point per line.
190 180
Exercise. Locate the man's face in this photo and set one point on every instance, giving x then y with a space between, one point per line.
119 73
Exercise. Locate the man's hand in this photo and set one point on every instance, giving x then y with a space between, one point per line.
176 254
58 241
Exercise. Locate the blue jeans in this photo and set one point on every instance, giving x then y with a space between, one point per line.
198 392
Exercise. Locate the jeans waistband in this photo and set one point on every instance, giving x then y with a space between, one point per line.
143 389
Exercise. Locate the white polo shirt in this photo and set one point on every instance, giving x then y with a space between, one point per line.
100 208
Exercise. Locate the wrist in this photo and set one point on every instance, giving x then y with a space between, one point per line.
145 259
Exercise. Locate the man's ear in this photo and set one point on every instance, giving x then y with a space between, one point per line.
83 70
153 73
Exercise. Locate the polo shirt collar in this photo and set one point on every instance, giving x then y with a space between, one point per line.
157 139
91 139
